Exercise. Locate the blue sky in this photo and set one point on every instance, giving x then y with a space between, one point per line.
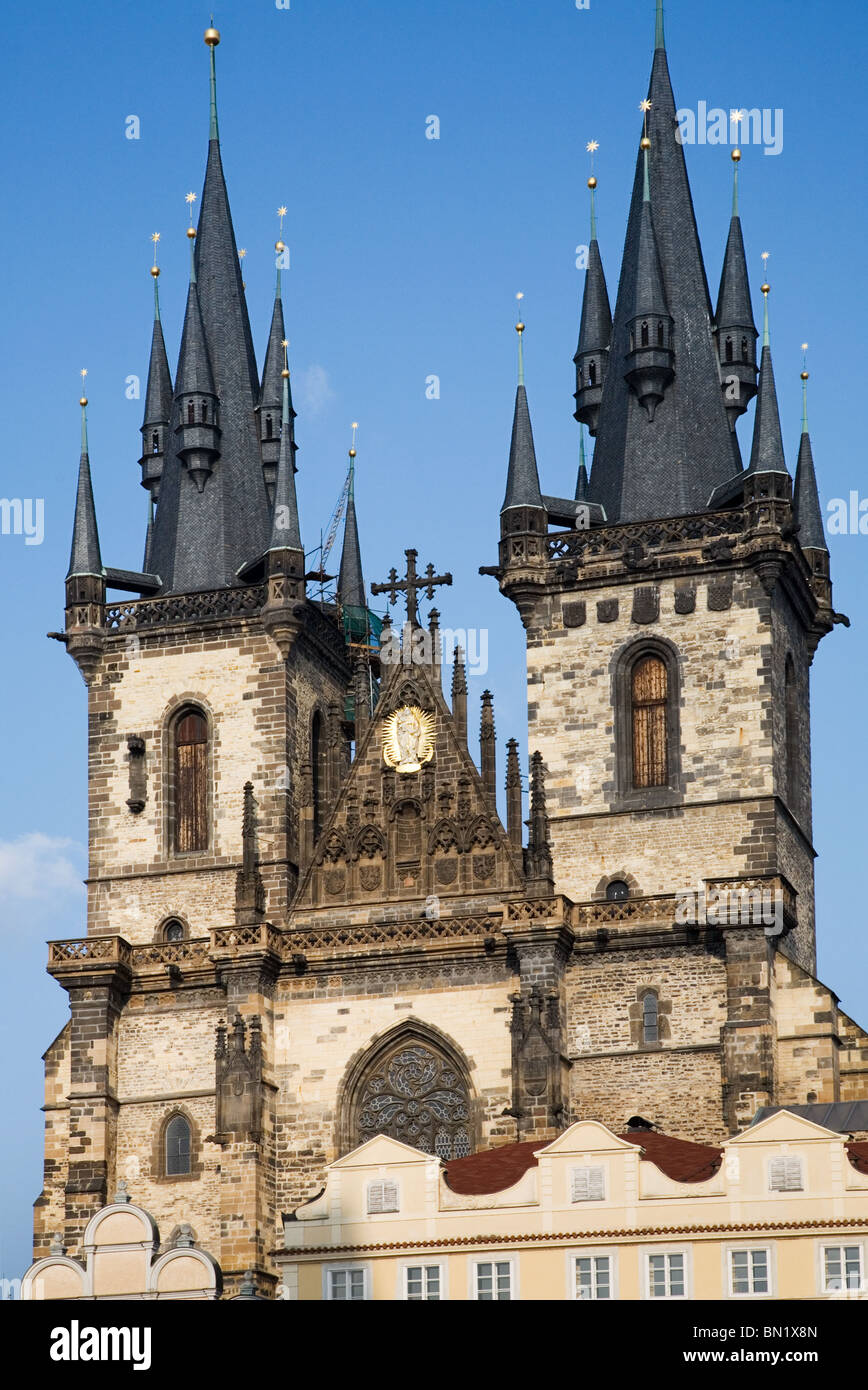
406 255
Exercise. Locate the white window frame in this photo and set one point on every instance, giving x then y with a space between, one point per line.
382 1182
494 1259
605 1252
668 1250
787 1190
587 1168
425 1264
346 1267
840 1243
741 1249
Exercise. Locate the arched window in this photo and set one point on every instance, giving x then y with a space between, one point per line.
190 790
744 356
173 930
178 1145
269 427
728 349
413 1090
155 442
644 335
592 373
191 413
660 333
204 412
617 891
650 1018
649 704
791 734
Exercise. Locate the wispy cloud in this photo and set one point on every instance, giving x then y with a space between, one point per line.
314 390
41 868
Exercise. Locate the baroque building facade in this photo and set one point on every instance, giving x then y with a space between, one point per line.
307 924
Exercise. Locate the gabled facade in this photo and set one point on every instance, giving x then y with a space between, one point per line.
307 925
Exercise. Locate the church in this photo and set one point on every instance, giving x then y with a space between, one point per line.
307 924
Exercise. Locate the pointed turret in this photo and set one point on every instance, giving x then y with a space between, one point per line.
197 432
582 486
807 512
734 325
668 466
351 581
149 537
539 870
459 696
767 451
156 425
285 558
270 405
210 524
522 479
85 578
650 361
513 795
488 749
595 331
523 516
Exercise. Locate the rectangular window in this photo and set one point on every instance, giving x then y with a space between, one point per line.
494 1280
842 1267
422 1283
749 1272
588 1184
382 1196
346 1284
593 1277
785 1175
667 1276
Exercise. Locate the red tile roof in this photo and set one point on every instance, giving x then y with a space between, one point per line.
493 1170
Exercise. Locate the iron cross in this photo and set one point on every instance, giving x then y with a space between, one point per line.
411 585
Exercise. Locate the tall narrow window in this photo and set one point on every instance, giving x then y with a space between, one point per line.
177 1147
191 782
791 734
728 346
592 373
649 697
191 413
155 442
204 412
317 766
650 1018
269 427
644 335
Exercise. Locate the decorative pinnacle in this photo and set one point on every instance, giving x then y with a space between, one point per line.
805 375
353 445
285 345
766 288
592 147
519 328
212 38
659 36
189 199
83 398
736 156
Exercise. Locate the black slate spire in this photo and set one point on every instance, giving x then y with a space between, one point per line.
271 396
807 513
203 536
734 322
671 465
351 583
156 425
650 359
84 556
285 527
595 332
522 479
767 451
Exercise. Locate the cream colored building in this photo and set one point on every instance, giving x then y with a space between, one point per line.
784 1215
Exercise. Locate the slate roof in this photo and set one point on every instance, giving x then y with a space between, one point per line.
734 308
522 479
595 329
84 555
807 513
285 528
671 465
843 1116
351 581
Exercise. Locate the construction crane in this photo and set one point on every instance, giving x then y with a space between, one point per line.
319 575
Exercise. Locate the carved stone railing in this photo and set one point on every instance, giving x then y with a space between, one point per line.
89 950
377 934
611 542
261 937
534 911
724 902
141 614
160 953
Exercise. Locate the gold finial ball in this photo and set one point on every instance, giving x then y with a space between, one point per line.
806 376
352 453
519 328
284 372
735 156
82 400
280 247
212 37
155 271
644 143
765 289
191 233
592 182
